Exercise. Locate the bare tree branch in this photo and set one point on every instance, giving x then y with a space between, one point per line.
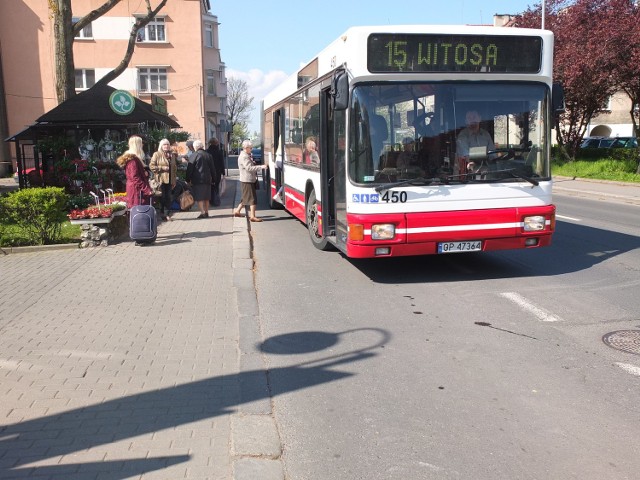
91 16
141 22
64 35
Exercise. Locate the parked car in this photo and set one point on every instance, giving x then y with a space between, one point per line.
609 142
256 154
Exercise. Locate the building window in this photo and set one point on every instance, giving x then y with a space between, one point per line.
152 80
212 130
154 31
86 32
211 82
223 76
208 35
85 78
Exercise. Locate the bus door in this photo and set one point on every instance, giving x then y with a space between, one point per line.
278 153
328 165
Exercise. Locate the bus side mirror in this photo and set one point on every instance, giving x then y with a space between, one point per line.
340 90
557 99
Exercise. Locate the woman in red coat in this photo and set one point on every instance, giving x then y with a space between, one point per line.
137 181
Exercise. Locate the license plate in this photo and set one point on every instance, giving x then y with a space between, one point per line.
456 247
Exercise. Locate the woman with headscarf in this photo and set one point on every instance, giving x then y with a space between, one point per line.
248 178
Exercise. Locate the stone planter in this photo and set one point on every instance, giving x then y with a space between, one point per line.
100 232
90 221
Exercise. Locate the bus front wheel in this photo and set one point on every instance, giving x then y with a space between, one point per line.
313 224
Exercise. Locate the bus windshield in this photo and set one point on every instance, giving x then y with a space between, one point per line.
453 132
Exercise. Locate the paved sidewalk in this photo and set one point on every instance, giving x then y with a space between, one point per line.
624 192
137 362
127 362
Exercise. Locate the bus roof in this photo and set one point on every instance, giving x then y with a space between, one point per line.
350 49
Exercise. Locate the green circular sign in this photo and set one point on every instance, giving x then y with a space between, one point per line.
122 102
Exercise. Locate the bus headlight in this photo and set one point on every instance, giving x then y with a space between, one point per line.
383 231
534 223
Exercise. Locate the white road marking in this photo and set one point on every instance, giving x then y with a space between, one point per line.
627 367
564 217
526 305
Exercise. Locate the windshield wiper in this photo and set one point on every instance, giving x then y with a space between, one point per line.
514 174
409 181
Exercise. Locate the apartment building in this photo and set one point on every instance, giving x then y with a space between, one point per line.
177 58
615 120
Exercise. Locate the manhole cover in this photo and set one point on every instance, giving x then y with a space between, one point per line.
624 340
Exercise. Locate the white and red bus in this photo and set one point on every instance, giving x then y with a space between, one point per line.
361 143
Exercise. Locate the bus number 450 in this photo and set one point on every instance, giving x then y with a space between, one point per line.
394 197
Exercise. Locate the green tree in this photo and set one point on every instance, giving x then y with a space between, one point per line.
239 107
240 133
65 30
624 19
592 41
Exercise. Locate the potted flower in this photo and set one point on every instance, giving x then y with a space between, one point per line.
96 181
88 144
106 143
77 178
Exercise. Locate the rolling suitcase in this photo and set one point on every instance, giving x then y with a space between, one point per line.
143 226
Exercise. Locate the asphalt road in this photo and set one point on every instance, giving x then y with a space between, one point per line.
483 366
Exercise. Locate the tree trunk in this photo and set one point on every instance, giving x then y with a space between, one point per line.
63 34
635 106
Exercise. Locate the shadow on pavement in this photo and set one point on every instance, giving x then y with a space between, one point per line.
165 408
574 248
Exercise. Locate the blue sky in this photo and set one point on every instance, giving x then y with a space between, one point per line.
265 42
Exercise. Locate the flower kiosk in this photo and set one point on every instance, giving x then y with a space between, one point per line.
75 146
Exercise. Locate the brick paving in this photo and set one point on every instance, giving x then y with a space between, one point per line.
124 362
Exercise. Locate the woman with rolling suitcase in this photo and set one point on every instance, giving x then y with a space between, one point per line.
138 189
142 215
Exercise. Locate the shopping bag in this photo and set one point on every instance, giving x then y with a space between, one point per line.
156 185
186 200
223 186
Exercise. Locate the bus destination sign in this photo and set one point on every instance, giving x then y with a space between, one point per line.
408 53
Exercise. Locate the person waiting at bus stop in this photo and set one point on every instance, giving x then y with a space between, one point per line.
248 179
471 136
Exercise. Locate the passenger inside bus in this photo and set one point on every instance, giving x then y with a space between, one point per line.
422 124
310 155
408 158
429 155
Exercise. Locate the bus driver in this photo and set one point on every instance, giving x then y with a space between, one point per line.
471 136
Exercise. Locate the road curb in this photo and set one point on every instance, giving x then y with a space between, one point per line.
40 248
256 444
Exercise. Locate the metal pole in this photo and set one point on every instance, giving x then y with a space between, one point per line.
543 5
